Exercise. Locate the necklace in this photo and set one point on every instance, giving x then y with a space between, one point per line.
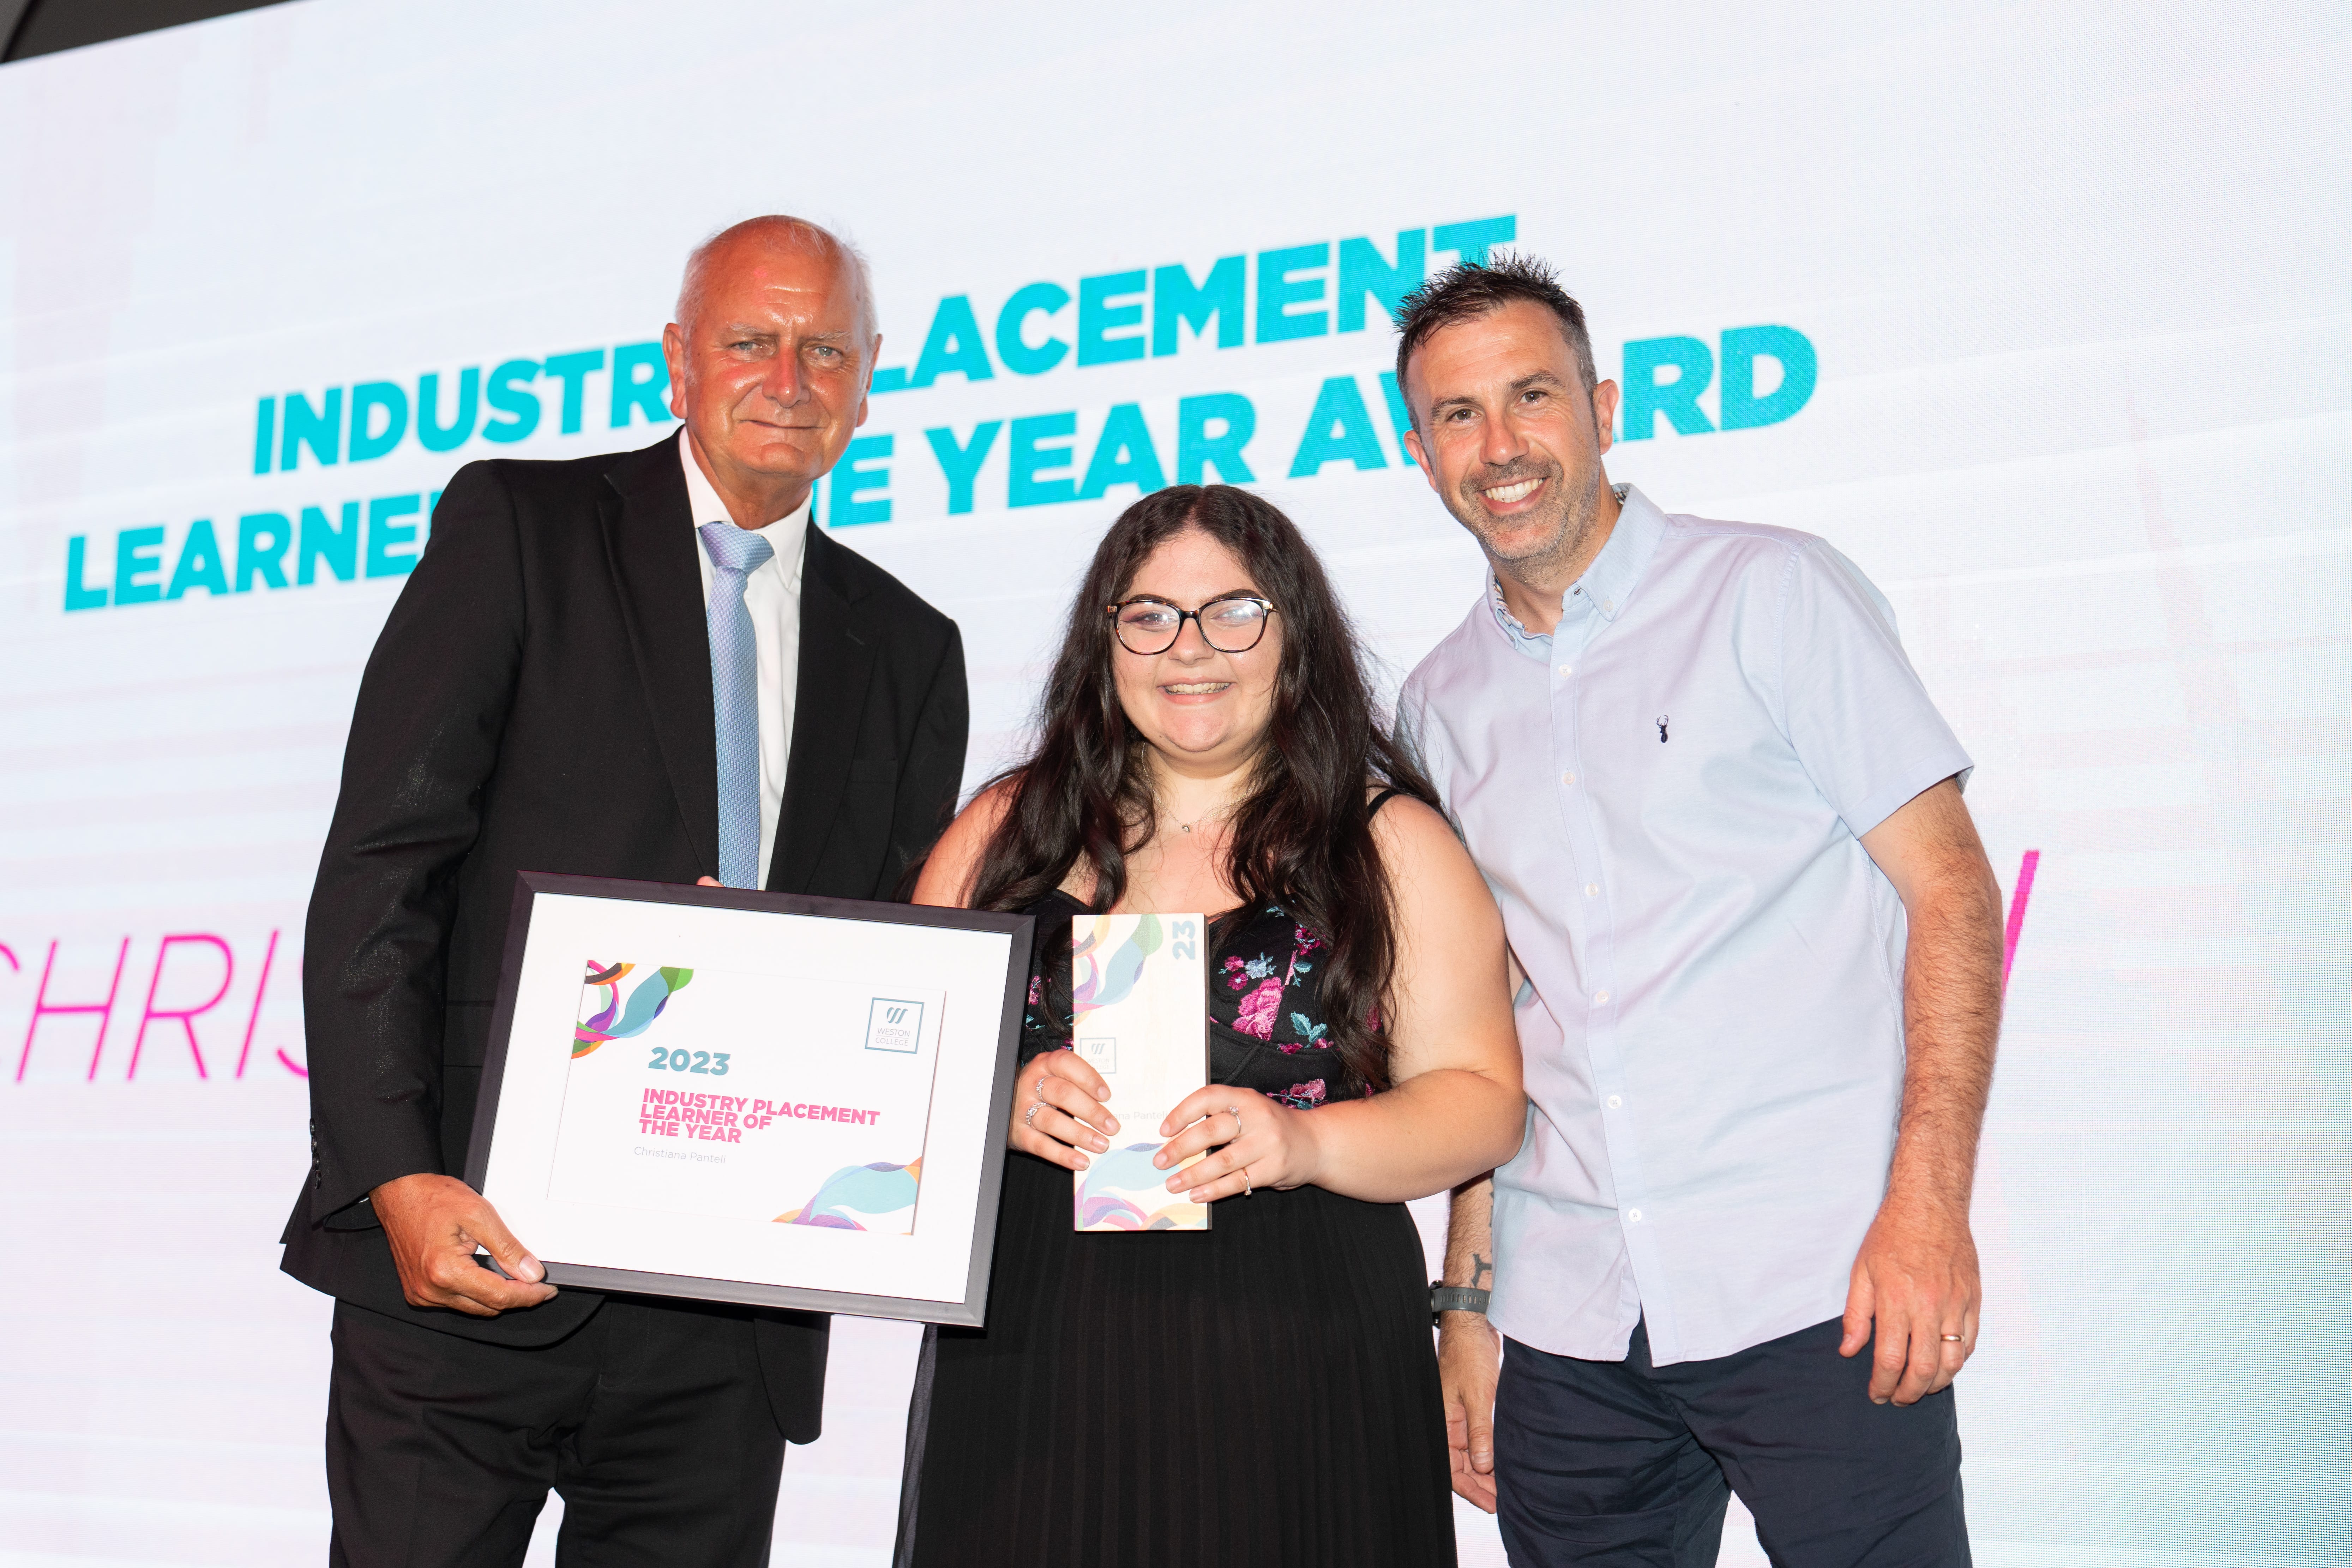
1204 816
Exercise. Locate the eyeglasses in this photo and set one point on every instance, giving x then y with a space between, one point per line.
1231 625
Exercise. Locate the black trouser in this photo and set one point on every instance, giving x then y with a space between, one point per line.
652 1421
1615 1464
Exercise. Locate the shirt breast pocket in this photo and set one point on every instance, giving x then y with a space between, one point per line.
1695 755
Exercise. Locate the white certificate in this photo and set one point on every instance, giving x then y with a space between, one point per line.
1140 1013
752 1097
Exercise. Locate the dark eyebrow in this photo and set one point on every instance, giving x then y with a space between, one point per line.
1221 594
1533 378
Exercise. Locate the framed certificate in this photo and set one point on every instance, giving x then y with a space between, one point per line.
752 1097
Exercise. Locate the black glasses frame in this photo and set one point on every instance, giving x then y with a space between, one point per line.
1183 615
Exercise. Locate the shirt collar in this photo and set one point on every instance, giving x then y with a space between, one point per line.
788 533
1606 585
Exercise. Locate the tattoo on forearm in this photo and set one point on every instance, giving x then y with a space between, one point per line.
1482 1270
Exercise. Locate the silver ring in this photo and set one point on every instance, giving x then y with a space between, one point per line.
1236 1112
1040 1090
1247 1191
1030 1119
1955 1339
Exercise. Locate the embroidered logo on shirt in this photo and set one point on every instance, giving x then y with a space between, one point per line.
1661 728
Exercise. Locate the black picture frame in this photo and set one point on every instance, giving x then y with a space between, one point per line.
971 1312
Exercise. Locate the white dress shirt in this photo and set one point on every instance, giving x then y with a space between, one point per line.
771 595
1667 795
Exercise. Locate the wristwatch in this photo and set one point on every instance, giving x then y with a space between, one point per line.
1444 1298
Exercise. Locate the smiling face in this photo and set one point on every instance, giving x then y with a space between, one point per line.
1204 713
769 364
1512 442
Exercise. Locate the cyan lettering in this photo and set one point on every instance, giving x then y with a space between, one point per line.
79 596
1277 291
337 545
1470 241
961 465
1341 428
1743 408
437 437
262 539
137 553
367 442
952 345
200 562
1013 349
1198 449
1646 396
264 433
574 370
1364 271
1177 301
852 478
640 384
1123 454
321 429
384 536
1100 314
1399 417
1028 459
507 395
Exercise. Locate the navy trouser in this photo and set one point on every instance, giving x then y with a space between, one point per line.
1619 1464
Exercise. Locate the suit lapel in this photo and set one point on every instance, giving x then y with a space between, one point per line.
836 662
649 545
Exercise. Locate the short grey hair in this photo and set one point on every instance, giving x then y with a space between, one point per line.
798 231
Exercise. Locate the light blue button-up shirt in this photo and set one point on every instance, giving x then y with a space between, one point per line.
1667 795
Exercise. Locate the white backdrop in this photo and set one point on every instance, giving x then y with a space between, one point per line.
2073 277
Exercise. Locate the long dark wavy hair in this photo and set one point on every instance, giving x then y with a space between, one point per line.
1301 837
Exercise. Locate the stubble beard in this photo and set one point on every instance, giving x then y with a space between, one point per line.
1570 516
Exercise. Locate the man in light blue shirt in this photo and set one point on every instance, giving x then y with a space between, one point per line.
1760 944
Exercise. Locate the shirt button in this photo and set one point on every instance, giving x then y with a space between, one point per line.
1634 1216
1568 669
1601 998
1608 606
1568 778
1616 1102
1592 889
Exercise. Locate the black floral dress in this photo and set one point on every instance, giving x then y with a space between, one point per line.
1262 1394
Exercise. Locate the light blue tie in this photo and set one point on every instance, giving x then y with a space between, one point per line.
735 554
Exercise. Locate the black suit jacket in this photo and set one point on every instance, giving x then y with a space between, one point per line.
541 698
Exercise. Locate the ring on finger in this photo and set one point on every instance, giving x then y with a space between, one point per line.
1236 1112
1247 1191
1955 1339
1029 1117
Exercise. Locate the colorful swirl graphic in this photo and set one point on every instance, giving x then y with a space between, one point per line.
1106 1191
1099 977
871 1191
615 1021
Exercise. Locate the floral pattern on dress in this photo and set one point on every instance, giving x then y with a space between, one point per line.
1260 1010
1305 1096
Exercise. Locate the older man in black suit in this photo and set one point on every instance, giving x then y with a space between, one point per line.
647 665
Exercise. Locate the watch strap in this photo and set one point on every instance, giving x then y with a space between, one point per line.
1456 1298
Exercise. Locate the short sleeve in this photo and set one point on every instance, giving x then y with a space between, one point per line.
1862 724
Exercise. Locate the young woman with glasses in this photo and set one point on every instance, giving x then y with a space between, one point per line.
1263 1391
